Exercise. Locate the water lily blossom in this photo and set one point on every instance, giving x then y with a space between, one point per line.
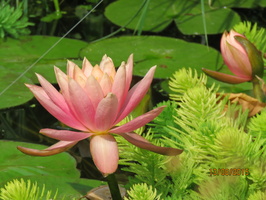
92 100
241 57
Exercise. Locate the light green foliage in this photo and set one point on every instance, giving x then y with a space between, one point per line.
223 188
149 168
184 79
211 136
257 125
22 190
255 35
257 196
12 21
142 192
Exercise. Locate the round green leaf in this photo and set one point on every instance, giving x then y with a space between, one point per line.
18 56
18 93
157 17
160 13
237 3
57 172
214 18
167 53
14 164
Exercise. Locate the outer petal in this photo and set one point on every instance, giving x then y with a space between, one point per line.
70 68
54 149
106 113
138 121
119 84
81 105
141 142
62 80
136 94
104 153
225 77
53 94
129 70
63 116
65 135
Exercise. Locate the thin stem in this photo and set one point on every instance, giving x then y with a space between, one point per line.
113 187
257 91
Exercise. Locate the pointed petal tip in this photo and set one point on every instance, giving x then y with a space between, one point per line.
36 152
141 142
226 78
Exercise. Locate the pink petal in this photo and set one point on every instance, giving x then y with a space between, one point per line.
136 94
65 135
234 55
87 67
106 113
81 105
129 69
94 91
225 77
119 85
138 122
62 80
104 153
106 84
70 68
97 73
141 142
107 66
53 94
237 62
55 149
62 115
79 76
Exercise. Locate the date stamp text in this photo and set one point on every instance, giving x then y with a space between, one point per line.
229 172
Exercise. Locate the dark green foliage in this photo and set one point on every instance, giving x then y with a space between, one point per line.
12 21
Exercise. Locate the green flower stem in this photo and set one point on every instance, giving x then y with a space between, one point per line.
113 186
257 91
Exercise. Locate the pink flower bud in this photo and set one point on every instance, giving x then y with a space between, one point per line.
241 57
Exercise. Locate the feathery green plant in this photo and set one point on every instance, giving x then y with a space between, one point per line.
257 125
212 138
182 80
142 192
22 190
12 21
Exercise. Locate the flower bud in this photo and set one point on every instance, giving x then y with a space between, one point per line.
242 58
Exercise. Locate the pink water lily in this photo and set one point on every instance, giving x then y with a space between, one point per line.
93 100
241 57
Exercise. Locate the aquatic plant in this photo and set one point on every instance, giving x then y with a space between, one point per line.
21 190
12 21
221 147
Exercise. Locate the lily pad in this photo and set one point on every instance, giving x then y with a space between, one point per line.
238 3
217 21
19 56
160 13
56 172
167 53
